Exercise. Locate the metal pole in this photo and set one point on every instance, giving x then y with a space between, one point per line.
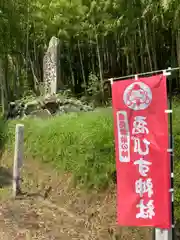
172 161
143 74
168 234
164 234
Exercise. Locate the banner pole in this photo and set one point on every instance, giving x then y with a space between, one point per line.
172 160
164 234
143 74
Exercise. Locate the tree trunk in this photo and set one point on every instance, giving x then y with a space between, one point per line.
133 54
141 48
4 102
35 78
100 66
153 45
92 56
71 70
82 68
147 45
16 79
178 50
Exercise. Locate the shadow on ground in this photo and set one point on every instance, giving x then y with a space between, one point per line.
5 177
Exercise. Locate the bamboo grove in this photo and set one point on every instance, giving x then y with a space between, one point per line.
99 39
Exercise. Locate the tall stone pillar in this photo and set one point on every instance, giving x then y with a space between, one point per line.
50 67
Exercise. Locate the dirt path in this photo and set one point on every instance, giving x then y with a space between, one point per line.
53 209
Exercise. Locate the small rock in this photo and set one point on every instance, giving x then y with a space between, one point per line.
47 106
31 106
51 103
15 110
86 108
42 113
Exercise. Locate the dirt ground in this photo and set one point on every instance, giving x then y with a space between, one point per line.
51 208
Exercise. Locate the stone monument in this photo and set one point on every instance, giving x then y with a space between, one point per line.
51 67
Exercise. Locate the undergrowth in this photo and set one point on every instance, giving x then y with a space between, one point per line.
79 143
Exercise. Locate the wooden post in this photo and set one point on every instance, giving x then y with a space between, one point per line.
18 158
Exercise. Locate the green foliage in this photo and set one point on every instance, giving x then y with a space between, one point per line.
95 94
107 37
93 85
77 143
3 134
12 16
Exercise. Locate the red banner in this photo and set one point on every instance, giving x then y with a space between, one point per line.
142 158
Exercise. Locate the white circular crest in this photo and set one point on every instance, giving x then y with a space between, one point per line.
137 96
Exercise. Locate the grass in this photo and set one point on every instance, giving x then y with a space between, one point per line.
78 143
83 144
